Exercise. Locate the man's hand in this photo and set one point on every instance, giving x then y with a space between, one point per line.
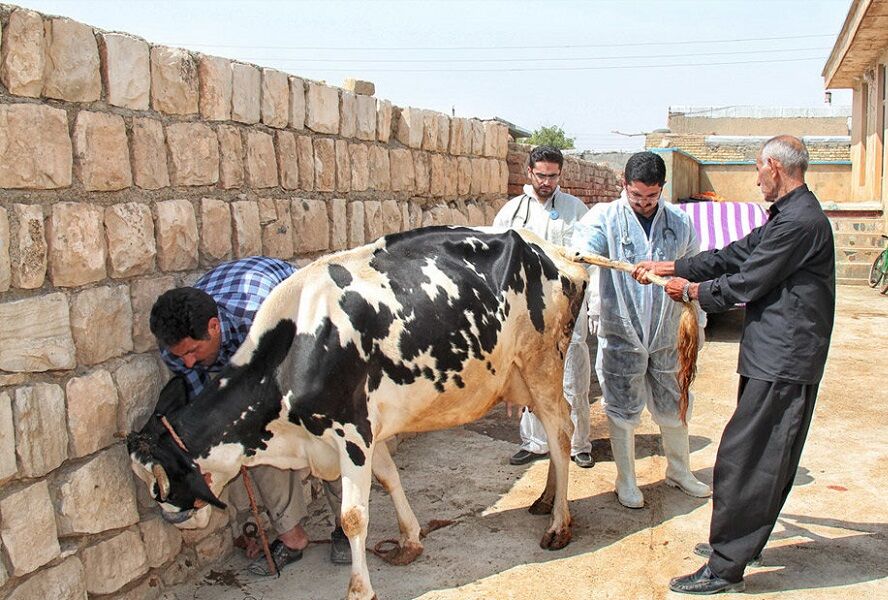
675 288
649 266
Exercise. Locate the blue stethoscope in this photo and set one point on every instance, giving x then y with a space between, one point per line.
626 241
553 214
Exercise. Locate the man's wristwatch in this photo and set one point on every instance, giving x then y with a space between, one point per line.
684 292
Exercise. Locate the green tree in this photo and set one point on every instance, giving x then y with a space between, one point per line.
553 136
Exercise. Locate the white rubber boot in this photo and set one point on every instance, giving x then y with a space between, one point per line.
622 441
678 470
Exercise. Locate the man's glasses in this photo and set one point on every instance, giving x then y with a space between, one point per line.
546 177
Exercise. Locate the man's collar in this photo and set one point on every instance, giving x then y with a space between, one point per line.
781 202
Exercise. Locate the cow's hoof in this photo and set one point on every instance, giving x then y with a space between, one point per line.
541 507
403 555
556 540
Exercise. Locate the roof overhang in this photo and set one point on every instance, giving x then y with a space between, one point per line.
864 36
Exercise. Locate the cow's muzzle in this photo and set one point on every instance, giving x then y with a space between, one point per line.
175 518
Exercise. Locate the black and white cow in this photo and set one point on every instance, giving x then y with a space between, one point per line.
419 331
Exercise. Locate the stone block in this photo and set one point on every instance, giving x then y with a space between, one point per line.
365 125
437 176
97 495
102 324
27 246
143 294
430 130
451 177
373 225
275 98
477 218
36 334
92 413
214 75
296 114
493 174
457 125
463 176
322 108
324 165
101 152
458 217
35 148
415 215
421 172
182 568
71 70
343 167
138 387
5 266
175 85
76 244
383 120
149 154
213 547
502 187
337 212
348 114
440 214
22 57
359 155
490 211
311 231
162 541
405 215
401 162
246 92
126 70
261 162
277 234
477 176
215 230
64 581
379 168
129 232
409 129
194 154
359 86
477 137
482 166
28 528
149 588
287 159
247 230
111 564
176 229
391 217
8 466
491 138
305 155
231 151
443 122
41 436
218 520
355 218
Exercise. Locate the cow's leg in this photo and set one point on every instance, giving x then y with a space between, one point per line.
386 473
355 516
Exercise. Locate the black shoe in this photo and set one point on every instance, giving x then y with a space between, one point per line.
340 549
704 582
705 550
522 457
584 460
280 554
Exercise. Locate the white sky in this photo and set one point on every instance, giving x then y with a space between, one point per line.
532 63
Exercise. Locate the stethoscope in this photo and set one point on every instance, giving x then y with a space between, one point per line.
553 214
626 241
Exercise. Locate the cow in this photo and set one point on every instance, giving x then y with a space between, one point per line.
422 330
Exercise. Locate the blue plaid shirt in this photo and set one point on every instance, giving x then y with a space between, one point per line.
238 287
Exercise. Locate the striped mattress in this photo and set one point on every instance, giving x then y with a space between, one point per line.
720 223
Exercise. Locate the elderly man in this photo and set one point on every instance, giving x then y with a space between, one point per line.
551 214
198 329
785 273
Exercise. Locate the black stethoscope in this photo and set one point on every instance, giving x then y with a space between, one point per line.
624 227
553 214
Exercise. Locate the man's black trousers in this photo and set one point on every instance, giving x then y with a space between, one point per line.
754 469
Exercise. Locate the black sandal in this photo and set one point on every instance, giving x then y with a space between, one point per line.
280 554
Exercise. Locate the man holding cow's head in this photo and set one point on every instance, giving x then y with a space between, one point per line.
637 359
198 329
551 214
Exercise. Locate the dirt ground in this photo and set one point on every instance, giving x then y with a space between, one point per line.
831 540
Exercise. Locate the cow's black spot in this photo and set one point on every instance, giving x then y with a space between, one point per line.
340 275
459 381
339 432
355 454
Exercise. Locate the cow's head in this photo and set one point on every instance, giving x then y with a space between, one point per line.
173 478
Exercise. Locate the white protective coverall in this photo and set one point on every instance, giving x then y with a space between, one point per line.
554 221
637 360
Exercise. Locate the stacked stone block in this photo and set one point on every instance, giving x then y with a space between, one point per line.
590 182
127 169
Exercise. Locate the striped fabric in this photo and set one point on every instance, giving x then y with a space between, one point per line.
720 223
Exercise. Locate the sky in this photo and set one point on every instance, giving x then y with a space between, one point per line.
590 67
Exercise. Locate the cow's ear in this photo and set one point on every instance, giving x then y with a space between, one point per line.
173 396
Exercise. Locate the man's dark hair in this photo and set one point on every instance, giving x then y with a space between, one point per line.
646 167
545 153
181 313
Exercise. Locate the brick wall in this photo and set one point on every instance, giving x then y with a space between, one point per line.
127 169
590 182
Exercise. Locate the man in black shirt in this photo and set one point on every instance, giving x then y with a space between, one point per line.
784 272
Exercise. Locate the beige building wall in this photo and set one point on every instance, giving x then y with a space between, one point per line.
797 126
682 175
737 183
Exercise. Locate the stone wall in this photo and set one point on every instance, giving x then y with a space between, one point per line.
590 182
127 169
